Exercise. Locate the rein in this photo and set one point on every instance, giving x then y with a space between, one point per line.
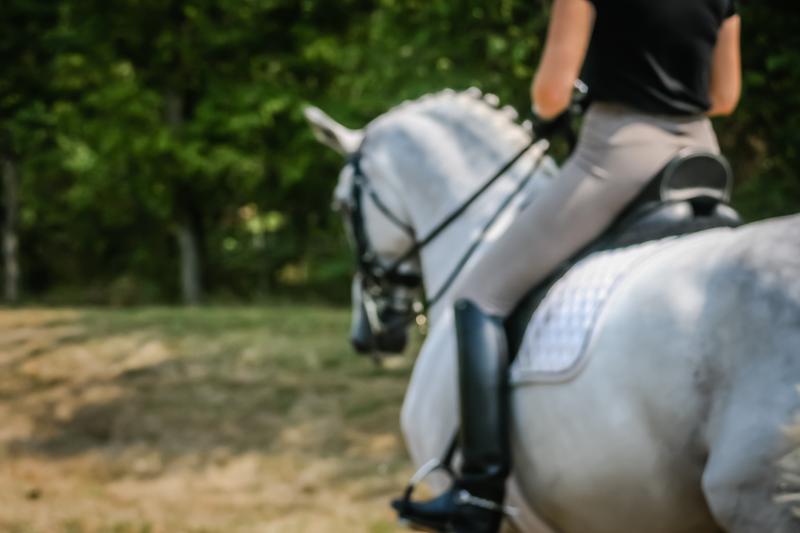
368 264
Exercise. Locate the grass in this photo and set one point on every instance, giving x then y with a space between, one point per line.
198 421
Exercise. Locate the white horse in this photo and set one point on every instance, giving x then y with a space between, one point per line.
678 423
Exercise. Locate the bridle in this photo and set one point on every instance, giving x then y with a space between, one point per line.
379 279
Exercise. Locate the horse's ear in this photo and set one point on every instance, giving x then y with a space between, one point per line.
331 133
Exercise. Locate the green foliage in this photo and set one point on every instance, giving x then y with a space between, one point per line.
762 138
130 116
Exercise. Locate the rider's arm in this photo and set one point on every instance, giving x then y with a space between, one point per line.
726 69
568 38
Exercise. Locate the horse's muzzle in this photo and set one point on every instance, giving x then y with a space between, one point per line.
392 339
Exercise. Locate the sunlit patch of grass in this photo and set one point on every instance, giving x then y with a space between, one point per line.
207 419
382 526
15 527
76 526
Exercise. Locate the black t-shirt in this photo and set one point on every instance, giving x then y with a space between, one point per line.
655 55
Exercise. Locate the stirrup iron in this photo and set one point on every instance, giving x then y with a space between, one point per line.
434 465
463 497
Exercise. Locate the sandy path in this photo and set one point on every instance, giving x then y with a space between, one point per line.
234 420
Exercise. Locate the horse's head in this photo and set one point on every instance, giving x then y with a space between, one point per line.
384 294
407 175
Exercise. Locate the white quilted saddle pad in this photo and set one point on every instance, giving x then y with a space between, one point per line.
554 346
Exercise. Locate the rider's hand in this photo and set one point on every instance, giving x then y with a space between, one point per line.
546 128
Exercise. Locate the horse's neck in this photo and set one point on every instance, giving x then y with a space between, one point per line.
442 160
445 256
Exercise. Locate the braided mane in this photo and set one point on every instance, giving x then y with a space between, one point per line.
469 106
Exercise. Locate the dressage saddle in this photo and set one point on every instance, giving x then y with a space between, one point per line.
691 194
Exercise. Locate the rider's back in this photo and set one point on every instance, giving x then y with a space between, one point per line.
655 56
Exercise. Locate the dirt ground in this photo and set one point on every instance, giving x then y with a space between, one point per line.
207 420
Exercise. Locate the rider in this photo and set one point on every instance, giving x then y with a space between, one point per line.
656 71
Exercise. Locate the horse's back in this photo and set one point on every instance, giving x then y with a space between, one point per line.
677 392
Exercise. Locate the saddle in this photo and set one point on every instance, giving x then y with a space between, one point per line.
690 194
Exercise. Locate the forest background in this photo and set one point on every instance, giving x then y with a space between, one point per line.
155 151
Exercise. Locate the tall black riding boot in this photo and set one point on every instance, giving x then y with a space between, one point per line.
474 504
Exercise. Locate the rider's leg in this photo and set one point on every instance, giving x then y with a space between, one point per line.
617 155
474 503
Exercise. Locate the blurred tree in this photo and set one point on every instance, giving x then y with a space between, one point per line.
159 150
174 68
215 164
25 27
762 138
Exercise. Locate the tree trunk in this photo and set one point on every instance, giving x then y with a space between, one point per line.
190 263
187 233
10 240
